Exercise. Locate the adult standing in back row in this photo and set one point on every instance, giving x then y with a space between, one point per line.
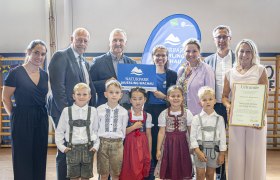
68 68
105 67
221 62
193 75
29 118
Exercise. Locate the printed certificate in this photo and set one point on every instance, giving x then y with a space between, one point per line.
248 105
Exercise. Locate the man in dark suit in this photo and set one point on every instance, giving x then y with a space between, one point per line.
67 68
105 66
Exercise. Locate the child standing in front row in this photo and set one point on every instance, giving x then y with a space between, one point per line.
138 142
112 122
208 136
174 161
76 126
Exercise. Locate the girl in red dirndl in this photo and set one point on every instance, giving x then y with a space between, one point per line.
138 140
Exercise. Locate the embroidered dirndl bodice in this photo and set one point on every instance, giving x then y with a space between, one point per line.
176 123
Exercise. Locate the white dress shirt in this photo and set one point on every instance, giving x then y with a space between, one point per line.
222 66
149 123
83 64
208 120
112 122
79 135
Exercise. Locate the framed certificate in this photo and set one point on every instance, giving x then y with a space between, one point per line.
248 105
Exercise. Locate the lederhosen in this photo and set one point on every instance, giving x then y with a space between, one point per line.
209 147
79 155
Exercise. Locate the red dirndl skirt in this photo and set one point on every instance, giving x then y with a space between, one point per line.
136 160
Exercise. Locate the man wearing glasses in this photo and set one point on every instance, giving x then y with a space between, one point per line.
221 62
66 69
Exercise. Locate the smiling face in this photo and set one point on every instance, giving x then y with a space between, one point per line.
81 97
245 56
37 55
175 98
80 41
117 43
222 39
192 54
160 57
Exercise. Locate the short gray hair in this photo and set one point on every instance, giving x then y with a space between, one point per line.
221 27
117 30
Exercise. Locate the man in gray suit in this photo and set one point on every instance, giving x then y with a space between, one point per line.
221 62
67 68
105 67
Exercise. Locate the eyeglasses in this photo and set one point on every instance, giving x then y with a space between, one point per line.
160 55
222 37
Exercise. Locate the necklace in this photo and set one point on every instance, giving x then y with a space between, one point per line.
30 70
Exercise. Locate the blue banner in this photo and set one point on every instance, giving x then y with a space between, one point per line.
137 75
172 32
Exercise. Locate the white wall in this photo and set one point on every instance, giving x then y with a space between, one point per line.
21 21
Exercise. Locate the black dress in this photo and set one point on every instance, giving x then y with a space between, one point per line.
29 122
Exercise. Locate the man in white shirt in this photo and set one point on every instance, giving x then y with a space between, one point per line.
221 62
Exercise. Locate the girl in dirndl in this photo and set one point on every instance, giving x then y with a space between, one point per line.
174 160
138 140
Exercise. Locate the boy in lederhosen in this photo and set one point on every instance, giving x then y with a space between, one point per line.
75 134
208 136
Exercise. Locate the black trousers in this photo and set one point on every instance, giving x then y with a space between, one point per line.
221 171
29 142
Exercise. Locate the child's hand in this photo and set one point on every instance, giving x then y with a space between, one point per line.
138 125
200 155
158 155
92 149
67 149
221 159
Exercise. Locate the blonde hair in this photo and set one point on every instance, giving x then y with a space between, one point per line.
204 91
81 86
113 82
173 88
253 47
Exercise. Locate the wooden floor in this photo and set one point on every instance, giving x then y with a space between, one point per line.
6 170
